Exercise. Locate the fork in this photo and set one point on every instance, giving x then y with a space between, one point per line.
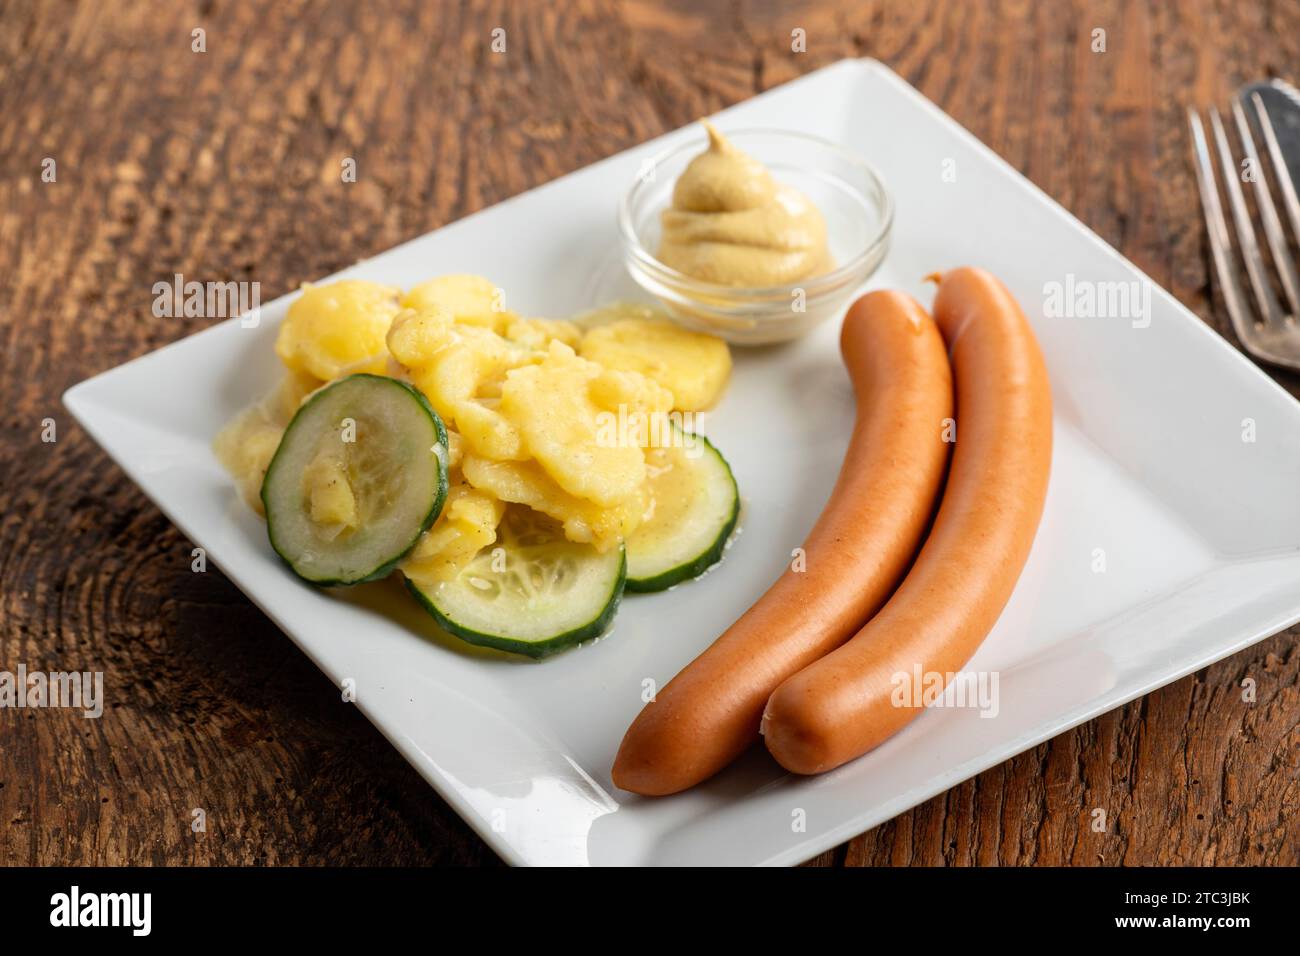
1271 334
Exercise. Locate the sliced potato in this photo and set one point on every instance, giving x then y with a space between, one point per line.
468 524
339 328
524 482
551 405
693 366
471 299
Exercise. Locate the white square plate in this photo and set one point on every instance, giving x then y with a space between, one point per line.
1199 529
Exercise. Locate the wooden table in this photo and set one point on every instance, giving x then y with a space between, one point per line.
225 164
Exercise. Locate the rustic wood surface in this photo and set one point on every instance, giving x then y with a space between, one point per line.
225 165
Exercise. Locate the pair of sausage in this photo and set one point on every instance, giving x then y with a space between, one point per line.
800 667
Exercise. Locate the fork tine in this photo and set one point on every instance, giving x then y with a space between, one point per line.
1217 229
1267 301
1290 202
1268 212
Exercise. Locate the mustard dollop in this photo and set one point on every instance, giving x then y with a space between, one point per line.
732 224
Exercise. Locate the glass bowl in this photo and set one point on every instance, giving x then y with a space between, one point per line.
848 191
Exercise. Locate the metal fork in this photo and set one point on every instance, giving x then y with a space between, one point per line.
1272 333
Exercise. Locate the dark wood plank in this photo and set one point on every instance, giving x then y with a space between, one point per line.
225 164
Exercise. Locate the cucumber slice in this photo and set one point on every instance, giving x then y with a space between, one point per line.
359 475
531 593
696 504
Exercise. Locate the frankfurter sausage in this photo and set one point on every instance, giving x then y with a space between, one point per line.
844 704
855 555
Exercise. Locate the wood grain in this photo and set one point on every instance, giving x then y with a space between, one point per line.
225 165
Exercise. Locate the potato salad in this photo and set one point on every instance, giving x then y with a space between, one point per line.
520 473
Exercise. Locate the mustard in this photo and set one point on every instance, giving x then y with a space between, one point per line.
732 224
